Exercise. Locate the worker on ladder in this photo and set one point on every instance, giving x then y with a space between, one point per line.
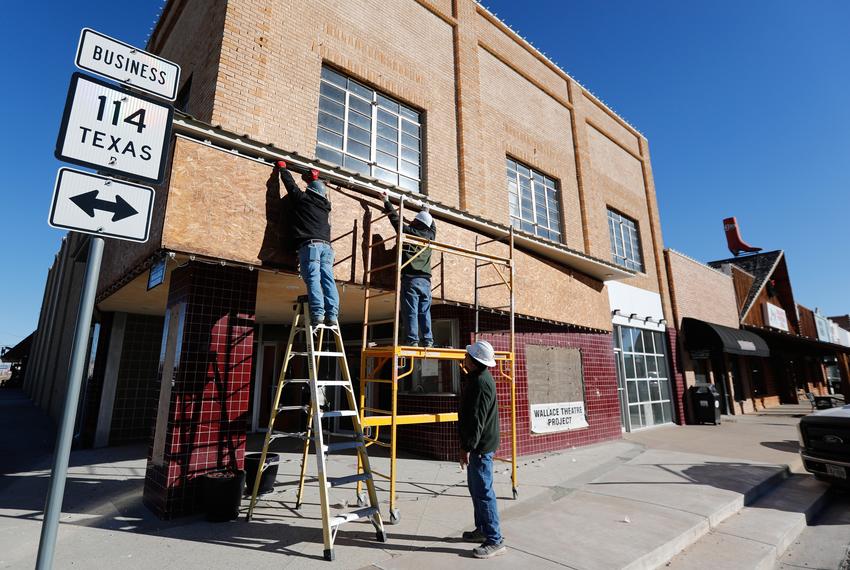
312 233
415 277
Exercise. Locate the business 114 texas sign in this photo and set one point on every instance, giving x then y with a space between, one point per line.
114 130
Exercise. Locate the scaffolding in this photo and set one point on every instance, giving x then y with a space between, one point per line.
400 360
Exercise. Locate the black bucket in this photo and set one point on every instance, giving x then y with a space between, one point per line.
252 464
222 491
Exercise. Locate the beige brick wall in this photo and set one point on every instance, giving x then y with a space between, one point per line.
485 94
192 38
543 289
701 292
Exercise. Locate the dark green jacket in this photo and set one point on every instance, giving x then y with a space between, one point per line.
478 419
421 266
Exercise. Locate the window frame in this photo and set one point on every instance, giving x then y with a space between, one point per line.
407 120
554 221
632 248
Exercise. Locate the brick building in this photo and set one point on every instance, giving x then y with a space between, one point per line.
435 100
713 349
806 353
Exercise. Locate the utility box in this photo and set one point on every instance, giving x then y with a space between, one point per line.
706 401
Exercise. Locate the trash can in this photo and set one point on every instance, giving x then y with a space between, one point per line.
706 401
222 493
252 464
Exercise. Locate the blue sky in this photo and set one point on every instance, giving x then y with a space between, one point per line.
744 104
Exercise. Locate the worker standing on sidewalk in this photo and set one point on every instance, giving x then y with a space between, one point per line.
478 424
311 230
415 277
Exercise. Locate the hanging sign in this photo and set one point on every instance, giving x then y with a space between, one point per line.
563 416
775 316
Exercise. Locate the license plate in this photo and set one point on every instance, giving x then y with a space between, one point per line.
836 471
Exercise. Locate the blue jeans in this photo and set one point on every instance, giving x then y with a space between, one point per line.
317 271
416 309
479 479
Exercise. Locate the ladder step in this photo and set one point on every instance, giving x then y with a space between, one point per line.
357 515
318 382
292 408
339 446
319 353
339 481
339 414
283 434
333 383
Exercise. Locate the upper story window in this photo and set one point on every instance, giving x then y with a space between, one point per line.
533 199
625 241
366 131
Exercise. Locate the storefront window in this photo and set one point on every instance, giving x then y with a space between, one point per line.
648 393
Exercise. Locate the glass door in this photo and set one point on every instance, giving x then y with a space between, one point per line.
644 368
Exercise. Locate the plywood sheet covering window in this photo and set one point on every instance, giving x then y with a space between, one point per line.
554 374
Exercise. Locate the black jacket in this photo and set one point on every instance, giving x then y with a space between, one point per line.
478 418
310 216
421 266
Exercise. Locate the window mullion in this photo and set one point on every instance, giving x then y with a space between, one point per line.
519 198
398 146
623 241
373 137
533 202
345 124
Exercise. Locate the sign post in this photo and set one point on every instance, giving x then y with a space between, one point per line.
52 510
116 130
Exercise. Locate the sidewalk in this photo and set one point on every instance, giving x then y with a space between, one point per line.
630 503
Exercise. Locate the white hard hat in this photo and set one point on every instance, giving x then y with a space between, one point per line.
425 217
482 351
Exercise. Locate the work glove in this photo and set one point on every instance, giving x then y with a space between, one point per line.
281 164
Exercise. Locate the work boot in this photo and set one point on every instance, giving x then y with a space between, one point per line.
428 344
473 536
331 321
489 550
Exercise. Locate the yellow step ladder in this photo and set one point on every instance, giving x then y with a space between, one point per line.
313 334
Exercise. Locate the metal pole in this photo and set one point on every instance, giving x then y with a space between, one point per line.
475 336
52 510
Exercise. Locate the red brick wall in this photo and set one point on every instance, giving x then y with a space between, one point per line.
600 384
208 411
677 376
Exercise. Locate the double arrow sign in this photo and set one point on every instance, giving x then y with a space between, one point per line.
88 203
97 204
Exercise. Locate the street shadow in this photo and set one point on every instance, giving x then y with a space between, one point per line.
789 445
116 505
758 484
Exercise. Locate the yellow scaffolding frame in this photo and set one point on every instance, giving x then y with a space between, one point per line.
398 355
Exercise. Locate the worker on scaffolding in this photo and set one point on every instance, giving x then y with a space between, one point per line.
478 428
415 277
311 230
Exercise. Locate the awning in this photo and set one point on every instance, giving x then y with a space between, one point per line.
700 335
19 352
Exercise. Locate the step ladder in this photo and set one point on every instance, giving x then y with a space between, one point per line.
313 334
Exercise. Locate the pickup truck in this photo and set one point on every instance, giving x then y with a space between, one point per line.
825 444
